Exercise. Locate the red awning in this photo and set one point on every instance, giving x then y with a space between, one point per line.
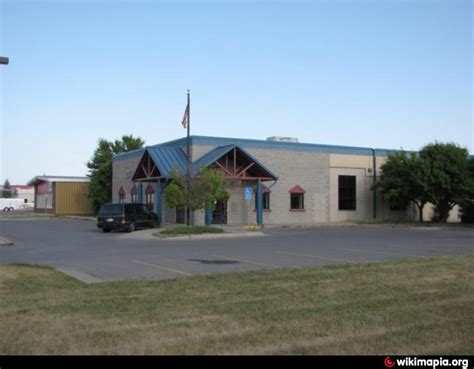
149 189
297 189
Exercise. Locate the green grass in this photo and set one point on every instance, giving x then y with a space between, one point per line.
423 306
189 230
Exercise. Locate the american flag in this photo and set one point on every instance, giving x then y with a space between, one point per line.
185 120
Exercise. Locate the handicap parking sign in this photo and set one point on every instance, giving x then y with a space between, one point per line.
248 192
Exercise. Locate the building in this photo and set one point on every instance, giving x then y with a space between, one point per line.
291 183
61 195
27 193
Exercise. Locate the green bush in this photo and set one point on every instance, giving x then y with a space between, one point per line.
184 230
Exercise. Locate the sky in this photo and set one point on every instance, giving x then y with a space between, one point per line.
384 74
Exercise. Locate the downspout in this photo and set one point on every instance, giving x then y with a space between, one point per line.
273 184
374 169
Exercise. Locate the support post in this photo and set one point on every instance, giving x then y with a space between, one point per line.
158 202
259 203
374 169
208 215
188 155
140 192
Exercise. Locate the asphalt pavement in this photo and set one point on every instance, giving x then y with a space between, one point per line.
79 249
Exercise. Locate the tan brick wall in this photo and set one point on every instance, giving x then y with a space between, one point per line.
316 172
122 172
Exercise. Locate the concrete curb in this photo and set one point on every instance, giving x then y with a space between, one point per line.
5 241
210 236
78 217
81 276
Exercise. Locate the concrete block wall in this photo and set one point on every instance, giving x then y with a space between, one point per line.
316 172
123 169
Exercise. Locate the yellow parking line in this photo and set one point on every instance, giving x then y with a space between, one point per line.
379 252
246 261
314 256
162 267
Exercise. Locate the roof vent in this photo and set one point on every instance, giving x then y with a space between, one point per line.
282 139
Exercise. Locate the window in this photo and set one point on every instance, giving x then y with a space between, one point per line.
121 194
150 197
297 198
133 194
297 201
150 200
397 207
266 201
347 192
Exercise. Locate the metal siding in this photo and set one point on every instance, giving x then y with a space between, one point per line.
72 198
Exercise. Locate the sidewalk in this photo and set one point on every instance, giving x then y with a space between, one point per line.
5 241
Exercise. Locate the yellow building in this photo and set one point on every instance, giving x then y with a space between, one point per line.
62 195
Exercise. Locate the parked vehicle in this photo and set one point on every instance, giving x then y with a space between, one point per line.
126 217
11 204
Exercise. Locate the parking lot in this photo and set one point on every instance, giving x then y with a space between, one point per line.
79 249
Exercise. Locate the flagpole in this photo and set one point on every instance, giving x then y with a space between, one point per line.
188 154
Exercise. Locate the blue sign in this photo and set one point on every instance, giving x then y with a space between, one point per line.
248 192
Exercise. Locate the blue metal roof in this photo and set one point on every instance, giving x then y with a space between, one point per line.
219 152
211 157
279 145
167 159
264 144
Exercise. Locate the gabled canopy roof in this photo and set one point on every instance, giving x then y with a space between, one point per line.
159 162
244 165
236 163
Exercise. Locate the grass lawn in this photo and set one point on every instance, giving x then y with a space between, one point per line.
187 230
411 306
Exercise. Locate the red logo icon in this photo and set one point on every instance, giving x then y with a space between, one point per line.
388 362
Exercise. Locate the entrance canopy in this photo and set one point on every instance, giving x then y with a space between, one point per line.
235 163
157 163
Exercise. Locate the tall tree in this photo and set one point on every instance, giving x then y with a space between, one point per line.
403 180
100 166
467 206
448 177
202 192
7 189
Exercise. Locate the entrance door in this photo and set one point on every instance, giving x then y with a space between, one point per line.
180 215
219 215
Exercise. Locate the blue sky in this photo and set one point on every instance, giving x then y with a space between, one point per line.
386 74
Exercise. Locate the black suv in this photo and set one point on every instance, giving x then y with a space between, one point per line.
126 217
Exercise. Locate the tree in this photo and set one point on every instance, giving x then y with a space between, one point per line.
7 190
448 177
100 167
403 180
202 191
467 206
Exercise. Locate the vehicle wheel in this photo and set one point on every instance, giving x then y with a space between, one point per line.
11 208
131 227
5 209
105 230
